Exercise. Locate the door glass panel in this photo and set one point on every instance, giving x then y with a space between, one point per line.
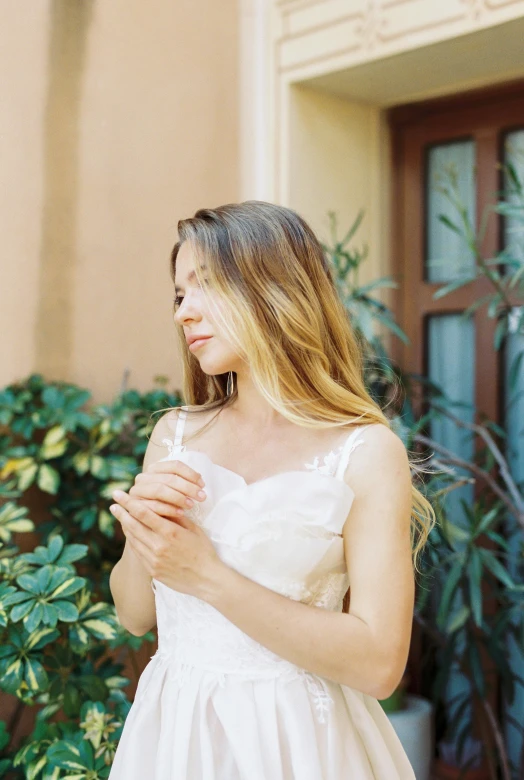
450 167
514 424
513 181
451 365
514 419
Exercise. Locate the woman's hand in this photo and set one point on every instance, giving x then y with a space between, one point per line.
178 554
168 488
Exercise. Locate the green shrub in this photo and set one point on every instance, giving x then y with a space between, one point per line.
59 634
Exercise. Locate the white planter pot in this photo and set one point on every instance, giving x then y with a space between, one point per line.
414 727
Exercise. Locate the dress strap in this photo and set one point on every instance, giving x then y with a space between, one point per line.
179 430
349 445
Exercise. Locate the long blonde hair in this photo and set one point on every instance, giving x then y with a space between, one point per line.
269 275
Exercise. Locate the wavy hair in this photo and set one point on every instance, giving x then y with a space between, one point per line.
275 298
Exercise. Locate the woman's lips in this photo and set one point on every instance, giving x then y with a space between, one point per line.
198 343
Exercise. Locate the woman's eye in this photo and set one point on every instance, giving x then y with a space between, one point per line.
177 300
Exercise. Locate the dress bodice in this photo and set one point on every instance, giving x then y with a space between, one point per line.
283 531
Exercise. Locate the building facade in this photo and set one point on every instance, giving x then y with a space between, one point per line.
367 105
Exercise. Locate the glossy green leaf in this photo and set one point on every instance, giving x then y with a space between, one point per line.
73 552
68 586
66 611
48 479
99 628
21 610
35 675
34 618
55 547
29 582
458 619
475 586
13 675
44 578
448 592
50 617
490 562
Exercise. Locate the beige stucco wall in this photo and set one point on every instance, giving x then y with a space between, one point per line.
337 159
123 119
22 106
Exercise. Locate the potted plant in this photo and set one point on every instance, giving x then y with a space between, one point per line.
412 718
471 608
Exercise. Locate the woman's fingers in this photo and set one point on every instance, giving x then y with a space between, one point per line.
176 467
164 493
161 508
167 488
135 512
134 529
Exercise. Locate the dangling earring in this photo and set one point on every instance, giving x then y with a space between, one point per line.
230 383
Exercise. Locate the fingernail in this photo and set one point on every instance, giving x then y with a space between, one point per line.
112 508
189 502
201 482
201 494
118 494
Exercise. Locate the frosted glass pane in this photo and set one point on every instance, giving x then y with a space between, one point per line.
447 254
451 353
514 424
514 226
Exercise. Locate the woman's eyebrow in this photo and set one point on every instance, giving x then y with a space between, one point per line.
191 276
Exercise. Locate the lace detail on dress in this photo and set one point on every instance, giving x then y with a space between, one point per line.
321 698
329 464
328 467
174 449
334 462
185 626
327 592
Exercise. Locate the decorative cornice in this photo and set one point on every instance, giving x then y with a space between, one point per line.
321 30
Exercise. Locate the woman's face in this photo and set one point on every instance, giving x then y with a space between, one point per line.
213 352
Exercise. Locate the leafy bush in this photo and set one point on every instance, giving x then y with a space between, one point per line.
59 634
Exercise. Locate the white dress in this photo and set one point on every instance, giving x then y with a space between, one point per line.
212 703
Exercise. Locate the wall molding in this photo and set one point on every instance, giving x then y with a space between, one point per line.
315 32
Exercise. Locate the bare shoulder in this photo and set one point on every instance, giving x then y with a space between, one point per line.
379 475
381 459
166 425
158 444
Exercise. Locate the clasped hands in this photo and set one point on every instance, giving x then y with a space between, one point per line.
172 548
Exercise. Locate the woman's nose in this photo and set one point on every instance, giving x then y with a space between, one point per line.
186 311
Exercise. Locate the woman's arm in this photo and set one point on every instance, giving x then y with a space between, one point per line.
129 581
130 586
366 649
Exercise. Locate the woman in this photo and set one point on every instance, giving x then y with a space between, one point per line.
240 542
